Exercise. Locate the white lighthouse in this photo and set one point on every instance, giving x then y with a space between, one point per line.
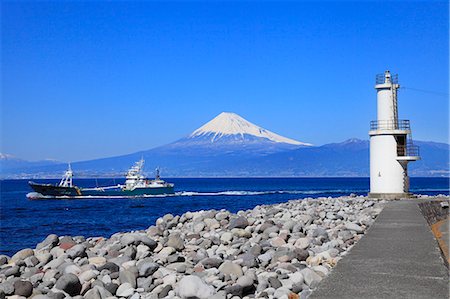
391 145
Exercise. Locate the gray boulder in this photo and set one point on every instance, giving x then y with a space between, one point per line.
10 271
175 241
311 278
127 276
92 294
152 244
231 268
112 267
211 262
23 288
193 286
69 283
147 268
165 291
355 227
7 287
50 241
274 282
235 290
21 255
238 222
78 250
3 259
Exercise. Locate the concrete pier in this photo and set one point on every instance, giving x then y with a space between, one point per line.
397 258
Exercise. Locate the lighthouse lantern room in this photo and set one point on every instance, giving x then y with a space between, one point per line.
391 145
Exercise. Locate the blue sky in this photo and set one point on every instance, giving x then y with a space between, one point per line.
83 80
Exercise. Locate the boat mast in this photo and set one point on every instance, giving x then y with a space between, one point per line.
66 181
157 176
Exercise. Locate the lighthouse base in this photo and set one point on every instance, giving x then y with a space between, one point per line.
391 195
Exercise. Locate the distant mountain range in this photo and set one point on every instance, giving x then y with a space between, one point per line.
12 164
229 145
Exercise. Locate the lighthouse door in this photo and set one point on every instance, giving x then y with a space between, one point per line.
401 145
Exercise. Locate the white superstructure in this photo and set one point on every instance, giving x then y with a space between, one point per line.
391 146
136 179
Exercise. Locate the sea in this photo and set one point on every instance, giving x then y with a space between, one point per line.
24 222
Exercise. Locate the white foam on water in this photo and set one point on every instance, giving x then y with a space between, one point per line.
35 195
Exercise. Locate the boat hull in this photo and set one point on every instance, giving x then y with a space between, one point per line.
126 193
54 191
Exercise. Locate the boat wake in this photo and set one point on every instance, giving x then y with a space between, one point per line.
35 195
249 193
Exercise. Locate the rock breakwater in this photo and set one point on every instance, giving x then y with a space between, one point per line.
274 251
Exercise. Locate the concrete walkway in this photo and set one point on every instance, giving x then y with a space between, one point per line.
397 258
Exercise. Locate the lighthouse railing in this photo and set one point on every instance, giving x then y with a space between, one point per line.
401 124
408 150
381 78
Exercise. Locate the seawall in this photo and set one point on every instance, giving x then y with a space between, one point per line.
397 258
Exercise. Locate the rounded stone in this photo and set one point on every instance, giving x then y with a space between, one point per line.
111 287
355 227
112 267
245 281
175 241
165 291
274 282
7 287
180 267
21 255
302 243
97 261
69 283
147 268
211 262
226 237
193 286
50 241
92 294
76 251
11 271
87 275
235 290
230 268
152 244
127 276
3 260
311 278
125 290
238 222
277 242
166 251
23 288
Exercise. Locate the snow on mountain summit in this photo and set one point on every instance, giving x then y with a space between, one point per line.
228 123
6 156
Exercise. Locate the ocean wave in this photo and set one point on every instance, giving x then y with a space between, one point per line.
428 190
250 193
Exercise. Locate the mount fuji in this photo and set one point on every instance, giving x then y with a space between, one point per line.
230 127
229 145
230 134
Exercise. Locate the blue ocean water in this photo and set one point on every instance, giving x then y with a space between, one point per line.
24 223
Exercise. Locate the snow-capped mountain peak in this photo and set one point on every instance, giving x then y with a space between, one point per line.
228 123
6 156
